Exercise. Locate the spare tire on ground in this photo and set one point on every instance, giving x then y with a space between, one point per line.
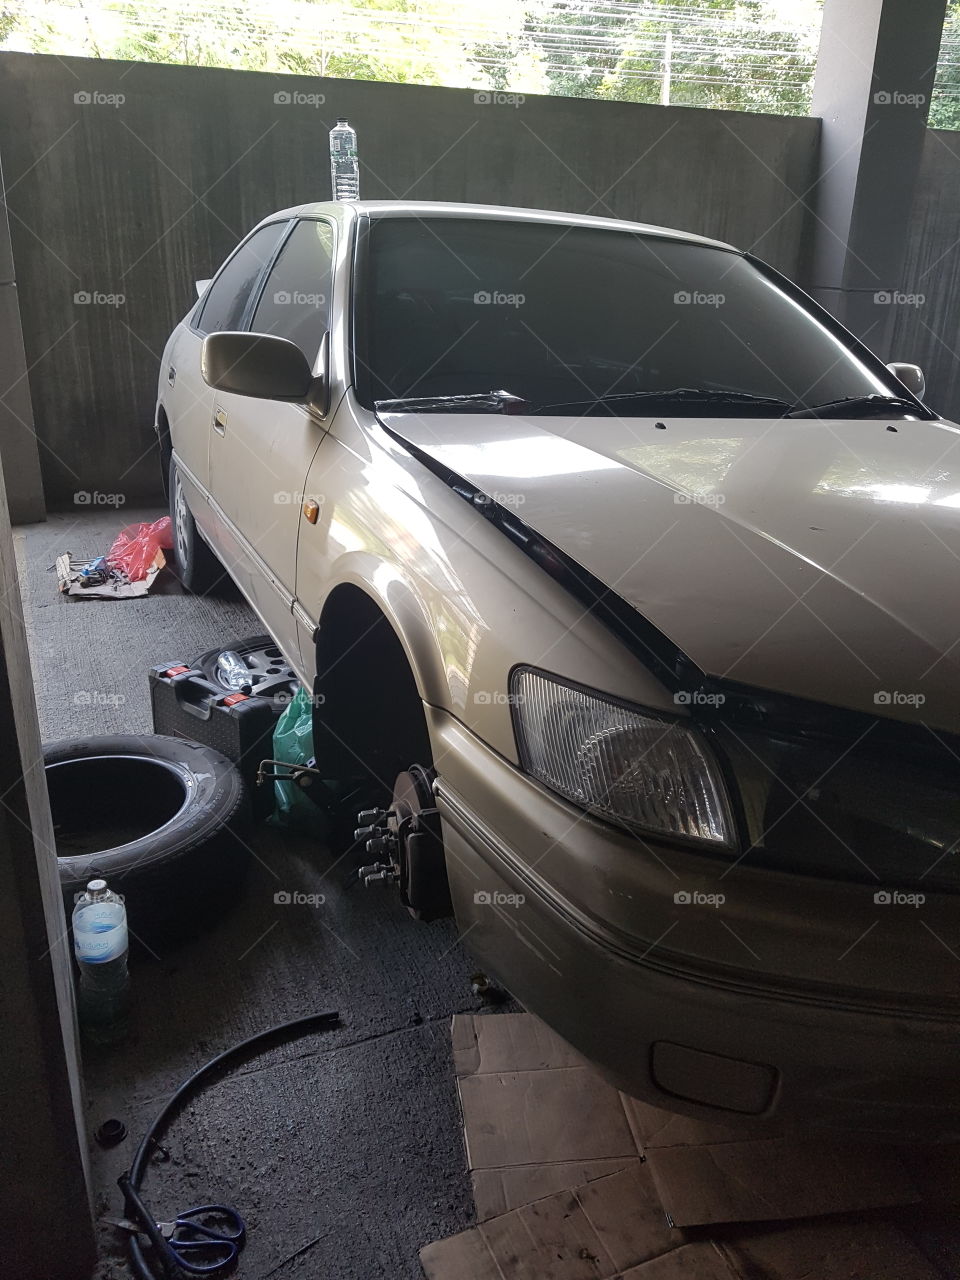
163 820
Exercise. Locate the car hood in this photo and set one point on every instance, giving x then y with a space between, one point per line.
818 558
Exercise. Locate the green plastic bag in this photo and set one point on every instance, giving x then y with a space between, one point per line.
293 744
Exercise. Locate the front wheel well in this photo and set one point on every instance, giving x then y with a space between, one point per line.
369 723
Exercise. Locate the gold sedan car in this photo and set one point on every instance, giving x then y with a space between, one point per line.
626 582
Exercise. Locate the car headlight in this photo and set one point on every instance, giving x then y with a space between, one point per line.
628 766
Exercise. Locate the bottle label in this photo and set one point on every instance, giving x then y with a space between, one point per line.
106 948
99 932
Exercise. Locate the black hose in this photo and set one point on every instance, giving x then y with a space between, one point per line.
283 1030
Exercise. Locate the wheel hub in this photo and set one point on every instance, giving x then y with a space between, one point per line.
408 840
180 511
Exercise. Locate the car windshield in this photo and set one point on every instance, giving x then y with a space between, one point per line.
562 315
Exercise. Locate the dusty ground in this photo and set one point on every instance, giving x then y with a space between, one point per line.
345 1144
342 1150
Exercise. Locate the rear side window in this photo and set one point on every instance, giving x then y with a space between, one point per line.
295 302
227 297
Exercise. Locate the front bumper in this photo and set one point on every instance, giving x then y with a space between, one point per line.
763 1013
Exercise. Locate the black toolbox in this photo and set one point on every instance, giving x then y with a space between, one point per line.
240 726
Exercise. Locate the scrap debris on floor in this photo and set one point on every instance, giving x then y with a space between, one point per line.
573 1180
129 568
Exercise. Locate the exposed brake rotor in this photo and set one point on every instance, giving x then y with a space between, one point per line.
408 839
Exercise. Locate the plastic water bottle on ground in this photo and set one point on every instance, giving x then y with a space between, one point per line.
344 165
100 945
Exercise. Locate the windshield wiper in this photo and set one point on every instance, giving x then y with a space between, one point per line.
679 395
480 402
854 405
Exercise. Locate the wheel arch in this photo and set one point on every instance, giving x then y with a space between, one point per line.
375 668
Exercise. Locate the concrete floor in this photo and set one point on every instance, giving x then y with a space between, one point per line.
342 1150
345 1144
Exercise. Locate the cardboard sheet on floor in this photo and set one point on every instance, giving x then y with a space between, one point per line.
601 1229
824 1250
536 1118
72 583
497 1191
572 1178
771 1179
804 1174
613 1229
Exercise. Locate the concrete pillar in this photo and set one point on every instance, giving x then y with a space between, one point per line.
46 1230
874 77
19 451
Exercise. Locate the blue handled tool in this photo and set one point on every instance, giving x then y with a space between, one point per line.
200 1241
206 1239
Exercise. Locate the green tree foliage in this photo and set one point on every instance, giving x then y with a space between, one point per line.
579 43
945 104
740 58
746 55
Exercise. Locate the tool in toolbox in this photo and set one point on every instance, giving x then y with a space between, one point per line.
240 725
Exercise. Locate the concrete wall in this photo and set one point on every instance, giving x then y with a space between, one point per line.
143 197
928 331
46 1226
19 450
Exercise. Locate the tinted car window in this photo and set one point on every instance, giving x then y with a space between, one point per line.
554 313
295 302
228 295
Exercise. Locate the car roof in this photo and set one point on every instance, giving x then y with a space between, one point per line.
506 213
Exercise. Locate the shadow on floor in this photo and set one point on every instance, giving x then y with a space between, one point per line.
347 1144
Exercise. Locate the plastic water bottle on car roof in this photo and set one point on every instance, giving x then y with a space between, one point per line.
344 165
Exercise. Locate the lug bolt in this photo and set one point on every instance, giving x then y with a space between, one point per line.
378 877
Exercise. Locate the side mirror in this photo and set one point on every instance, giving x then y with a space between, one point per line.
911 375
256 364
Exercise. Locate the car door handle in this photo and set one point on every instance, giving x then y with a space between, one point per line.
171 375
220 421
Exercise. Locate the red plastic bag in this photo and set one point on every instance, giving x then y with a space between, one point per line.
135 546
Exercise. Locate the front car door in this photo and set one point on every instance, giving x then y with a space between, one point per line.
261 450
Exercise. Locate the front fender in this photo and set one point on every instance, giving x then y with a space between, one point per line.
466 603
384 583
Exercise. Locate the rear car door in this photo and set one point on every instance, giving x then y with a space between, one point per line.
186 397
261 450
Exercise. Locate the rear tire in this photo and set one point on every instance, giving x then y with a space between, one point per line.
196 565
